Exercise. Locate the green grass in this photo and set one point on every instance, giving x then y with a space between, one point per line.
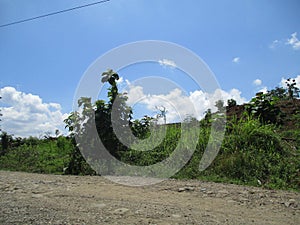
251 154
44 156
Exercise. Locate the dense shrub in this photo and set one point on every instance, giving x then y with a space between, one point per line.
251 153
38 155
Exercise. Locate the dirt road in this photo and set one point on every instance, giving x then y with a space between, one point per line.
52 199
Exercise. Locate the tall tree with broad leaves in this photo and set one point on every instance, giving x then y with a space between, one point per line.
113 114
107 116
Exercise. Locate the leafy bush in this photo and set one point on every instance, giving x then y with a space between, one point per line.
255 153
39 156
77 164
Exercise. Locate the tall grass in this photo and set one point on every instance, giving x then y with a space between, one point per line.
43 156
251 153
160 144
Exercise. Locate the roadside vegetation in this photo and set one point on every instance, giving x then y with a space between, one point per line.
261 146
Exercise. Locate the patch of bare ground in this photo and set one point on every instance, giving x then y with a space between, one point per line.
53 199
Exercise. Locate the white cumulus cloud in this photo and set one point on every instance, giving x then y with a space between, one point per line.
259 86
236 60
25 114
263 90
167 62
257 82
135 94
203 101
294 41
180 104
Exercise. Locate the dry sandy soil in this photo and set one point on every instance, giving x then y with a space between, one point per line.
54 199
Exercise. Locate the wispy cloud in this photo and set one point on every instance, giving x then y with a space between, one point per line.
294 41
167 62
236 60
275 44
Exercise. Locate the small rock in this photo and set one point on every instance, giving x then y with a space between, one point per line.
290 202
222 193
287 204
189 188
261 195
181 189
176 216
186 189
37 195
99 205
231 201
244 192
121 211
243 199
138 211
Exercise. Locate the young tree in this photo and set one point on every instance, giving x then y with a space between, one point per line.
220 105
293 90
106 116
263 106
162 113
114 113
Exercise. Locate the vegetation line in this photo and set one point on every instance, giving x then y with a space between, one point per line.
261 145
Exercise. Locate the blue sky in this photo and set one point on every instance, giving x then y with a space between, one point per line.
43 60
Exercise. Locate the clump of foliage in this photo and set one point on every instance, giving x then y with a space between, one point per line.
36 155
144 154
252 153
263 106
231 103
105 116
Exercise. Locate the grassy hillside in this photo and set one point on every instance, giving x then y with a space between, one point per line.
253 152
